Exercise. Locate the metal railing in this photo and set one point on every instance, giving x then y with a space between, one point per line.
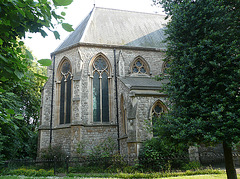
63 165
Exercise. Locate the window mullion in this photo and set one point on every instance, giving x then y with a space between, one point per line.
100 81
65 100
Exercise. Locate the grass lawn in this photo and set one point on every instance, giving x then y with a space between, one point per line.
215 176
212 176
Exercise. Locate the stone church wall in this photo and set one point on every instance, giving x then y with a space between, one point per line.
153 58
46 100
62 137
87 54
138 112
96 135
82 127
145 104
44 133
44 138
129 128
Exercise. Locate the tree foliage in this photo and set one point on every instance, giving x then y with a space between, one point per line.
203 46
161 154
204 89
20 110
20 78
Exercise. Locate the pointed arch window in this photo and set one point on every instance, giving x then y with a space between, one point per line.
165 67
157 111
65 92
139 66
101 73
123 117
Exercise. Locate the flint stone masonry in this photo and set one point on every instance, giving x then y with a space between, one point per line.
91 133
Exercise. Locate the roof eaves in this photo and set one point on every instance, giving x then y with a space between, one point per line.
146 93
145 88
109 46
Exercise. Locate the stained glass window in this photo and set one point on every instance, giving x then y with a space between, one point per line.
100 90
135 69
62 99
105 108
139 67
157 110
138 64
165 68
65 93
96 97
68 99
142 70
100 64
65 67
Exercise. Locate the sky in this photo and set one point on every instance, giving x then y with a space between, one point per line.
75 13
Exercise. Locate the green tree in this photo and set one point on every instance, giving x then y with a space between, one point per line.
204 89
19 81
22 102
160 154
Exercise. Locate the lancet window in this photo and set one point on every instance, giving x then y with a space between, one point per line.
157 111
165 67
100 91
65 92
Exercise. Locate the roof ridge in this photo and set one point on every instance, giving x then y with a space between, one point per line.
129 11
87 25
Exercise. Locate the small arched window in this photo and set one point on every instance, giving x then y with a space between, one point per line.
157 111
165 67
100 91
65 92
139 66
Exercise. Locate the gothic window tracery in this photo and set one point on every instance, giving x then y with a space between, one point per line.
139 66
65 92
101 73
157 111
165 68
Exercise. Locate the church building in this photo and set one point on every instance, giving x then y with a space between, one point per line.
101 82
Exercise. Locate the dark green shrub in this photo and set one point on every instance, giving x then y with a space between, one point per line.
53 151
53 154
158 154
104 149
116 163
81 148
100 155
102 158
194 165
29 172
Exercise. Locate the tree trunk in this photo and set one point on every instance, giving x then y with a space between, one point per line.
230 169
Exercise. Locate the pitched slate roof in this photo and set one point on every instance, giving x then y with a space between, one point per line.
143 83
76 36
104 26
